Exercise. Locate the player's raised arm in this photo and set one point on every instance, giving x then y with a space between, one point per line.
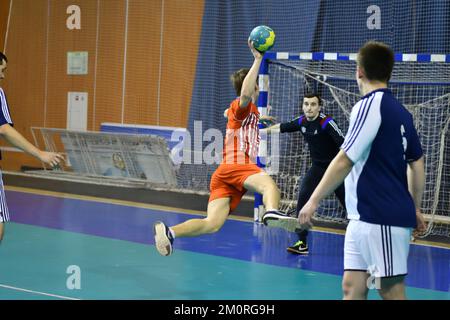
249 85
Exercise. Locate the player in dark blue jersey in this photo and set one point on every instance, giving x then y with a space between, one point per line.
14 138
324 139
382 163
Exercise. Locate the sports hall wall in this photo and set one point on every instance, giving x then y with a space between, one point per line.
179 54
150 83
4 10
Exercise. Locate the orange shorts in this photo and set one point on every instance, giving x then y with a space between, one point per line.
228 182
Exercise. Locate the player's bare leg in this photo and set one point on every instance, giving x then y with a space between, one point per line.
218 211
393 288
264 184
354 285
2 228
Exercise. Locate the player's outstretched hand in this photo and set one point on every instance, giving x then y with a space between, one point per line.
256 53
267 120
305 215
51 158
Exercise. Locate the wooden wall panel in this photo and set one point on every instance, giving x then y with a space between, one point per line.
181 44
110 62
61 40
4 11
143 52
24 84
37 91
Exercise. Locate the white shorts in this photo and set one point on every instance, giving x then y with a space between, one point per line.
377 249
4 214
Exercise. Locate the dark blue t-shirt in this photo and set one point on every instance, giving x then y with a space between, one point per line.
380 141
4 113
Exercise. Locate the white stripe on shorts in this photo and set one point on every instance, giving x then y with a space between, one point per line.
379 249
4 213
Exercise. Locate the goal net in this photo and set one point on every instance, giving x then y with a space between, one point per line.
420 82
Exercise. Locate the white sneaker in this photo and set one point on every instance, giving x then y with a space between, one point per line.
279 219
163 238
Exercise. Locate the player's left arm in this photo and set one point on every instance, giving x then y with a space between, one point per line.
416 186
335 132
416 173
267 121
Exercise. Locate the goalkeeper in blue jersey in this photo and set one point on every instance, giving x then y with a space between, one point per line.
324 139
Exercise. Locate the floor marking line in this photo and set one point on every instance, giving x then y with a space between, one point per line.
37 292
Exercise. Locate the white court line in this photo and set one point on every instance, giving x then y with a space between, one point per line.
37 292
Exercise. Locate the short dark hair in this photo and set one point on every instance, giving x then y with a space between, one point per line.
3 57
377 60
237 78
312 95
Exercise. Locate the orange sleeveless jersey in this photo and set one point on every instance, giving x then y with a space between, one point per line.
242 134
239 154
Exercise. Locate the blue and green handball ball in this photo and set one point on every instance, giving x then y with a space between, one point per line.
263 38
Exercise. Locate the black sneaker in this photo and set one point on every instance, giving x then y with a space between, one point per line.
163 238
299 247
279 219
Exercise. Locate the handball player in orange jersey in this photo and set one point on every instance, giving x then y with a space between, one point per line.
238 171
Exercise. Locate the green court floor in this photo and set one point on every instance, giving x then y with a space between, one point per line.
36 259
